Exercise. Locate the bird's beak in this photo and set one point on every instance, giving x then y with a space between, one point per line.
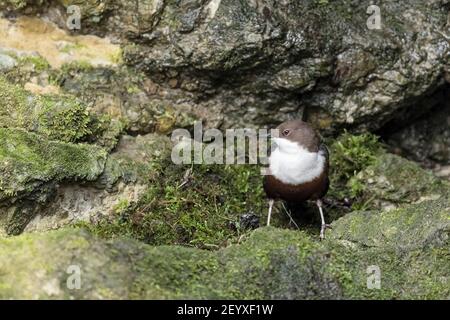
273 133
277 141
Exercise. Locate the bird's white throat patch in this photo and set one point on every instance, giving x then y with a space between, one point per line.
292 164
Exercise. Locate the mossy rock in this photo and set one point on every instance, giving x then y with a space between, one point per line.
32 166
392 180
269 264
58 117
410 246
27 67
126 94
29 161
363 171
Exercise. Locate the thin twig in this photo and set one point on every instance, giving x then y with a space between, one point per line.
289 215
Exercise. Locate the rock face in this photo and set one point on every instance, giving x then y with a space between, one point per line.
392 181
259 62
427 139
84 119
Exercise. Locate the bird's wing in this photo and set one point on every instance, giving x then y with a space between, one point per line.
323 150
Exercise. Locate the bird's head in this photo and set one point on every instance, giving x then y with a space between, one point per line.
295 134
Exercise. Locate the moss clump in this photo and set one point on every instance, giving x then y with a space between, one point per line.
64 118
349 154
59 117
74 67
38 63
13 4
15 107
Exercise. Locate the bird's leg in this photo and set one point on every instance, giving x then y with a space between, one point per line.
271 202
289 215
324 225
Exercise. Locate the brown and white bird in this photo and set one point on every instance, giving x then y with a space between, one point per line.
298 168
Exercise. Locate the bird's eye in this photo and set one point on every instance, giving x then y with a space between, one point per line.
286 132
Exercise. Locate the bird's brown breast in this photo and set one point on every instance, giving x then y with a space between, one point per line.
312 190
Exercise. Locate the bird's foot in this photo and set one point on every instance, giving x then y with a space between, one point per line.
344 204
322 230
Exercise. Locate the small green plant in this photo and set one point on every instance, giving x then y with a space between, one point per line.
38 62
68 48
121 206
350 154
64 118
116 57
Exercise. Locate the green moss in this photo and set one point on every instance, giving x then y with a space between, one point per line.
349 154
29 161
392 180
15 106
27 67
59 117
39 63
75 66
364 172
116 58
352 153
72 47
198 206
64 118
13 4
409 245
269 263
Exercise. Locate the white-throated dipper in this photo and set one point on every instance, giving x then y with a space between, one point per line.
298 167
